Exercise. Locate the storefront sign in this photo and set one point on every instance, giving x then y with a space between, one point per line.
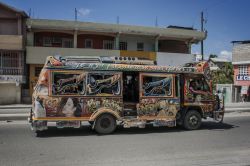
12 79
242 77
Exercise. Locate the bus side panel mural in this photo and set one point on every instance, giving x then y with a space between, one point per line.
69 91
79 107
157 96
158 107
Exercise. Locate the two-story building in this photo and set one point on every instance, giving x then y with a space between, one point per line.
241 63
12 54
25 43
167 46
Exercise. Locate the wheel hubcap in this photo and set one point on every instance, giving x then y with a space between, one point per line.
193 120
105 123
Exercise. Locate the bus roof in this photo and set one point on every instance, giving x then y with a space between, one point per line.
112 65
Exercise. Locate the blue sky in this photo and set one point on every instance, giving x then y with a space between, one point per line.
227 20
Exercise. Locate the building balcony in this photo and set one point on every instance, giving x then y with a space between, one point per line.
139 54
37 55
11 42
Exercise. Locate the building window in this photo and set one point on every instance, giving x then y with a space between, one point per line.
11 63
243 70
140 46
88 43
108 44
57 40
37 71
47 41
67 43
123 46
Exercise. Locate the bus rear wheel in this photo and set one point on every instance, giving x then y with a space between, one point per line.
105 124
192 120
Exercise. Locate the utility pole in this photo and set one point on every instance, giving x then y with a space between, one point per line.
75 14
117 20
202 30
156 21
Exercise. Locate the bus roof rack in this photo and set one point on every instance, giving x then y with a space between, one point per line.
108 59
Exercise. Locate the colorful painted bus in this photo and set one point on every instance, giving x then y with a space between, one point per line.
111 91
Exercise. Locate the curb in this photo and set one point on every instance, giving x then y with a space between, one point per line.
229 110
15 107
4 117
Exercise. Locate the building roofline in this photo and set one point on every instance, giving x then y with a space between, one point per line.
219 60
193 36
14 9
241 42
241 63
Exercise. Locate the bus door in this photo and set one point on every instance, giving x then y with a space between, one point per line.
130 93
158 100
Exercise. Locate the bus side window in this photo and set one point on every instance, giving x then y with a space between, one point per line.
157 85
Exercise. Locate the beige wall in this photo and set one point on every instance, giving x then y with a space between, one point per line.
11 42
10 94
37 55
173 59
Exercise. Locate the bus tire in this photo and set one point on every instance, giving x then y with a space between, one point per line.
105 124
192 120
39 133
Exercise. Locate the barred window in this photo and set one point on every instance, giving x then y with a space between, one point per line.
67 43
243 70
88 43
11 63
47 41
108 44
140 46
123 45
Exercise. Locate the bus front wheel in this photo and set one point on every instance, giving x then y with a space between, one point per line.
105 124
192 120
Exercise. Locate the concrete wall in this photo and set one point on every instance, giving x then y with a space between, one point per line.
173 59
10 94
11 42
227 89
241 52
133 40
37 55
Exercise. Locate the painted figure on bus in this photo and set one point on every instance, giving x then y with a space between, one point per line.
71 107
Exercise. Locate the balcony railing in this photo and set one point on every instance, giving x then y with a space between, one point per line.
11 63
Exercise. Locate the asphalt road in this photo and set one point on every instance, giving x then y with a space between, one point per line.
214 144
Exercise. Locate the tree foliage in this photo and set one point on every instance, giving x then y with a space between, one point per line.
223 76
213 56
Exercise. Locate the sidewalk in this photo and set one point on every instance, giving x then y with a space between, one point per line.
21 111
237 107
15 106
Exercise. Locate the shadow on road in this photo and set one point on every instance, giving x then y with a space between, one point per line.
87 131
